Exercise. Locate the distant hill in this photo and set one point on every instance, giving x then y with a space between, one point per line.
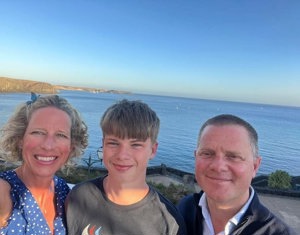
10 85
18 85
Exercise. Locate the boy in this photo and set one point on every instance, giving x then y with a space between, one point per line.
122 202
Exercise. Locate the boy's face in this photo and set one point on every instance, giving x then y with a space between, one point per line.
127 159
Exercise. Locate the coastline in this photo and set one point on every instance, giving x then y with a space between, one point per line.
181 117
13 85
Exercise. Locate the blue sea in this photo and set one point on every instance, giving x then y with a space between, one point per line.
278 127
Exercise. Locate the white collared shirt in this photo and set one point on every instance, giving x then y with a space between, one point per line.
231 224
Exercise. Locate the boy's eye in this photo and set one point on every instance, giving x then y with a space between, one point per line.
112 143
137 145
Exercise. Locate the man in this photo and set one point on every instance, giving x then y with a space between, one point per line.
226 161
122 202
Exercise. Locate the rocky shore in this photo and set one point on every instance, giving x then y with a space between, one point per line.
166 175
176 176
260 183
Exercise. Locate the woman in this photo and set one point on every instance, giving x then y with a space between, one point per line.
43 135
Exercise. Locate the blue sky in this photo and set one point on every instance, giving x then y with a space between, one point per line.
226 50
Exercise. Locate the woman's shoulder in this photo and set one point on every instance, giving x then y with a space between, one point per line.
11 177
8 174
4 186
61 185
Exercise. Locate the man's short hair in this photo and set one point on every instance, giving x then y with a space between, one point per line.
229 119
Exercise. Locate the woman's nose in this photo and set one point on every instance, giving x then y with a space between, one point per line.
48 142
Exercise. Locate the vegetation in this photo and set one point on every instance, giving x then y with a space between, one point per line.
173 192
76 175
90 162
279 180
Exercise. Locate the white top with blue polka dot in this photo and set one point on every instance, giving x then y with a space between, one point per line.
26 217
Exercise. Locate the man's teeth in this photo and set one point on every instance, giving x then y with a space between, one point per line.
45 159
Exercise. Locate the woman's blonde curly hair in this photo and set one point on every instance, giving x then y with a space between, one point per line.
13 131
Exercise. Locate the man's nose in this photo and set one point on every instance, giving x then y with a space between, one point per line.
219 162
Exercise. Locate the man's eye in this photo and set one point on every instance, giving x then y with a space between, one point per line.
233 157
205 154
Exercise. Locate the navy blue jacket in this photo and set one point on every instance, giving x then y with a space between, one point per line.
257 219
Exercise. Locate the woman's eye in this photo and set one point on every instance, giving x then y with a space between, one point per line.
37 133
62 135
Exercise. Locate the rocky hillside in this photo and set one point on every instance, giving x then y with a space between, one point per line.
18 85
11 85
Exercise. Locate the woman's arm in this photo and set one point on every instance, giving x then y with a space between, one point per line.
5 202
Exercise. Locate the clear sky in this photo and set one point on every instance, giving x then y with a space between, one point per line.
246 50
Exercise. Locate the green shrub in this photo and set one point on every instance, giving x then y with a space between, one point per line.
280 180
